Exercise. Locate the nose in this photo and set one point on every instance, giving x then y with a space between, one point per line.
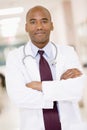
39 25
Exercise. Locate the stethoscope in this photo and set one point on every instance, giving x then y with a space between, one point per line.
53 61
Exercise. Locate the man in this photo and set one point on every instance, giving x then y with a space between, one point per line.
30 91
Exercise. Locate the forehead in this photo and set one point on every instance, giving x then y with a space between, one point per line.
38 13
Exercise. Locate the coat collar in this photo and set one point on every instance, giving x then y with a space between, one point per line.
32 50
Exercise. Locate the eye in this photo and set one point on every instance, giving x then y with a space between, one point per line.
44 21
32 21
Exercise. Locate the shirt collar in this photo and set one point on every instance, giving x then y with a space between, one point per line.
46 49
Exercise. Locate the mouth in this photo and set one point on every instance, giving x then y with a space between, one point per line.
39 33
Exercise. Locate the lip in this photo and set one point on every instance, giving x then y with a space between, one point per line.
39 33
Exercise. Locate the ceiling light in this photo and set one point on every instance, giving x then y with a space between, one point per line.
9 11
10 20
9 26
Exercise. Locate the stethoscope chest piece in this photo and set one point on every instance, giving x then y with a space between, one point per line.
54 62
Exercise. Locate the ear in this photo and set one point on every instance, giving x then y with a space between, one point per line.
52 27
26 27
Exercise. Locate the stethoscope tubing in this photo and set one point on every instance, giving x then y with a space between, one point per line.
25 56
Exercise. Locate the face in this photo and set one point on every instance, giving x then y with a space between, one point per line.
39 26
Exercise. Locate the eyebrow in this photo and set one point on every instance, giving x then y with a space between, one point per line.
41 19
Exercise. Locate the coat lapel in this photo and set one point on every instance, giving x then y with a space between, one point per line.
30 64
32 67
59 62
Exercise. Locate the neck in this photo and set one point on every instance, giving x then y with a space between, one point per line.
40 44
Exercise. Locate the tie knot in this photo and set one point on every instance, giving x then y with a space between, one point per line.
41 52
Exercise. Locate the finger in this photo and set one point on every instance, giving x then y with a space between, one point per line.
67 75
71 73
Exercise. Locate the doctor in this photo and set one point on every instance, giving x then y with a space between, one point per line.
23 81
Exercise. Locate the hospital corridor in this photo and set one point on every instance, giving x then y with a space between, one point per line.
70 28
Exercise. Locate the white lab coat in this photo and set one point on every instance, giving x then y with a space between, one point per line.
31 102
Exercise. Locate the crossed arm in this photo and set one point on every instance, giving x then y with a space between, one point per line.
70 73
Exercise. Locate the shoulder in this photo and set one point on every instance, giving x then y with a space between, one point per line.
15 54
66 49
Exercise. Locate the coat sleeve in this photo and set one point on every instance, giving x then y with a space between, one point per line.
70 89
16 85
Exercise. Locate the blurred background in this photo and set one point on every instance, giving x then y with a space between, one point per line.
70 27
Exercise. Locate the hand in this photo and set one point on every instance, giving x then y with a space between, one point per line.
35 85
71 73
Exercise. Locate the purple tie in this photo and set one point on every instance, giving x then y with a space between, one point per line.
51 116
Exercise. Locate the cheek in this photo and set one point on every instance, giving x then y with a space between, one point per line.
49 28
29 28
29 31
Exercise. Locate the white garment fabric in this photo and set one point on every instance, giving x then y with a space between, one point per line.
30 102
8 113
